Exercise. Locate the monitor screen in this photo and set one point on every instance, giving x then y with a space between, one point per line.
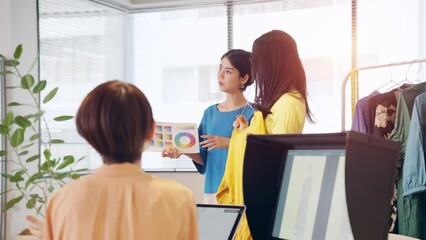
218 221
312 200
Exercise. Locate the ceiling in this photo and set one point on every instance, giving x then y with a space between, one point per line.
133 5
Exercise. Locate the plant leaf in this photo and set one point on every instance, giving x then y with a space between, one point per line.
80 159
47 154
81 170
39 86
18 52
63 118
13 104
23 153
4 129
35 137
8 120
12 202
16 178
50 163
50 95
11 62
27 146
6 175
61 175
6 72
56 141
3 153
44 167
75 176
27 81
33 178
67 161
36 115
17 137
31 203
22 122
33 158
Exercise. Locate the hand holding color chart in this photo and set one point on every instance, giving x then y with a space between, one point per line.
183 136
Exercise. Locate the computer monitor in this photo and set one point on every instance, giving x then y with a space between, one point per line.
311 200
319 186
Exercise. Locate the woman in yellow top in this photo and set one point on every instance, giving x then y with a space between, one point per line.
281 104
280 78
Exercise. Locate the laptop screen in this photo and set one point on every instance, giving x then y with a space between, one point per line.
218 221
312 200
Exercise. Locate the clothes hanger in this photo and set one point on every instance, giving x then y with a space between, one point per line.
404 83
418 71
391 84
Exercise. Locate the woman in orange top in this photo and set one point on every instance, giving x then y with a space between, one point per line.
119 200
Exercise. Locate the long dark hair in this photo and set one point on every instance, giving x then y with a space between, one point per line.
277 68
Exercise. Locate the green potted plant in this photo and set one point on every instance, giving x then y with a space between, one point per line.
37 170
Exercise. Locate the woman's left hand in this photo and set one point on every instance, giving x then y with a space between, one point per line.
213 142
36 226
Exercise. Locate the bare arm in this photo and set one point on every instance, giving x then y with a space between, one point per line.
175 153
211 142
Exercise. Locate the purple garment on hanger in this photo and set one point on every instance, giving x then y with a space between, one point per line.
361 120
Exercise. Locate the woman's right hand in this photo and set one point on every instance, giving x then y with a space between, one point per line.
171 153
240 123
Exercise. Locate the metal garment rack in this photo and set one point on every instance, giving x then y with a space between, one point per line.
353 72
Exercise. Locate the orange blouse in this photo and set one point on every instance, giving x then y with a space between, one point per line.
121 201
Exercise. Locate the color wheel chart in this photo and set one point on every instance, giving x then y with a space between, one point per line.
183 136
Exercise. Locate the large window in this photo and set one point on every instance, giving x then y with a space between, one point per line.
81 45
389 32
173 54
176 55
322 32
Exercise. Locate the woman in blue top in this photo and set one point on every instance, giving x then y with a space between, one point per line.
215 129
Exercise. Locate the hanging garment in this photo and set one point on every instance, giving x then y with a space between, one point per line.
403 115
381 116
361 121
382 113
230 190
414 171
411 219
414 180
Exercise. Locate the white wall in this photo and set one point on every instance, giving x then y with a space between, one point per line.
192 180
5 27
18 20
18 24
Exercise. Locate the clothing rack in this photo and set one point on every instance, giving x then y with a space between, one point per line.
355 83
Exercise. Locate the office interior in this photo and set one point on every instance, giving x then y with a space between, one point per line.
171 50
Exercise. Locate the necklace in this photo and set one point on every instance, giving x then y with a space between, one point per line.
244 108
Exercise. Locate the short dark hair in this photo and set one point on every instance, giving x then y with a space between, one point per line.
240 60
116 119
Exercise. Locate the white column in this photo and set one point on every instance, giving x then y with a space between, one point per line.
18 24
